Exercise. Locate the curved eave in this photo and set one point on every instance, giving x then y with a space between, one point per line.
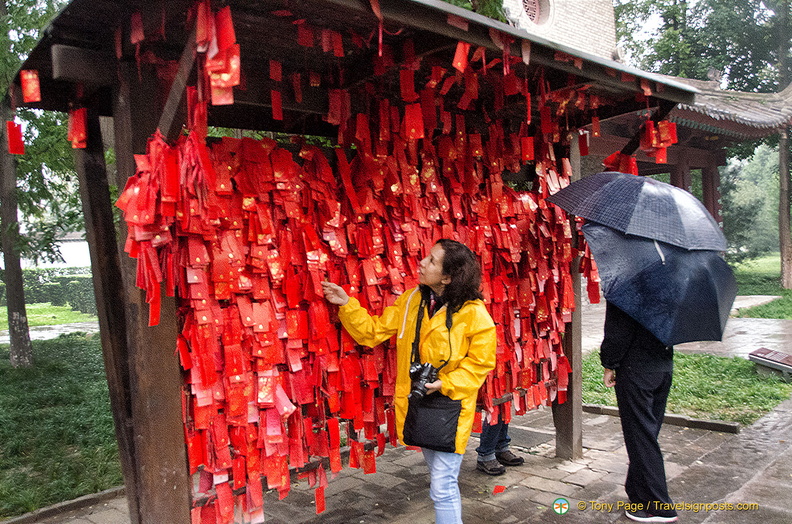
737 114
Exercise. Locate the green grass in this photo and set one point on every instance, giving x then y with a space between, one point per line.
57 440
48 315
705 386
763 277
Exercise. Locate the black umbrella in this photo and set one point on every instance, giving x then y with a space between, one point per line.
642 206
677 294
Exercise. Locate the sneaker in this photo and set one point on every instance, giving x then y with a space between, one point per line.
507 458
642 516
490 467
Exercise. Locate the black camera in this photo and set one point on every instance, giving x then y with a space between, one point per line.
421 374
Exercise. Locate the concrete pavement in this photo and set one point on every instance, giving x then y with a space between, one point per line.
717 477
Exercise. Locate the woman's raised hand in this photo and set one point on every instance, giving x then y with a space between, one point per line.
335 294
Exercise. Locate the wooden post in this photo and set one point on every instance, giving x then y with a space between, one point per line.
710 185
568 417
110 298
162 490
680 173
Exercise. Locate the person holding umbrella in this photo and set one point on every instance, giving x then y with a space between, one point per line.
658 252
640 367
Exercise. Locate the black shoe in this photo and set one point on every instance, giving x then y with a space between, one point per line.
490 467
507 458
642 516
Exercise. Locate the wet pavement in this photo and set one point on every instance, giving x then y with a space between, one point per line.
716 477
48 332
741 336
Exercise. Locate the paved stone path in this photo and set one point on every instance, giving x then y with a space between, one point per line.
723 478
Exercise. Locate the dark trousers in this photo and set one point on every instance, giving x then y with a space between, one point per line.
494 438
642 401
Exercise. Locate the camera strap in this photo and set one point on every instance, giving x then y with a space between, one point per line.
416 356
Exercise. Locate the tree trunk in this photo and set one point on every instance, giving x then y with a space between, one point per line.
784 223
21 351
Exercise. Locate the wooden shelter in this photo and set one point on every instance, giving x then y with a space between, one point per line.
132 61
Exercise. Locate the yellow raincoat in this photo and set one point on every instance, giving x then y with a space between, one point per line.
473 343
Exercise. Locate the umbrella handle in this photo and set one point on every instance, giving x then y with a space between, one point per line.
659 251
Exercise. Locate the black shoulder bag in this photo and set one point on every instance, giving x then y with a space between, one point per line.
432 419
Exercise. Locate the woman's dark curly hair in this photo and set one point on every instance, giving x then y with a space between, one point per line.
461 264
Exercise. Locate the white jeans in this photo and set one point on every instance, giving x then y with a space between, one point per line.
443 488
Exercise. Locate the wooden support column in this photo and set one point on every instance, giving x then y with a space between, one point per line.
568 417
162 488
710 184
110 300
680 173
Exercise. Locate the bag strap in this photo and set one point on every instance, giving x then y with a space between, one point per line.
416 357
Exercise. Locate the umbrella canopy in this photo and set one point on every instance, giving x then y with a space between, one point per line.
677 294
642 206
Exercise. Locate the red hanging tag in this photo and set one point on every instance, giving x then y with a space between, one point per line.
437 75
275 71
305 36
225 68
277 105
222 96
16 146
646 87
668 132
224 29
460 62
346 177
118 43
203 32
407 83
369 462
136 28
595 126
78 125
31 90
583 142
546 119
319 498
296 79
527 148
413 122
338 44
648 136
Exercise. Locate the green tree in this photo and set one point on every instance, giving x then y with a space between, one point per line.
38 197
750 218
748 41
689 38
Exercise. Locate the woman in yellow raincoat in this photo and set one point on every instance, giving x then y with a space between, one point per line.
463 349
